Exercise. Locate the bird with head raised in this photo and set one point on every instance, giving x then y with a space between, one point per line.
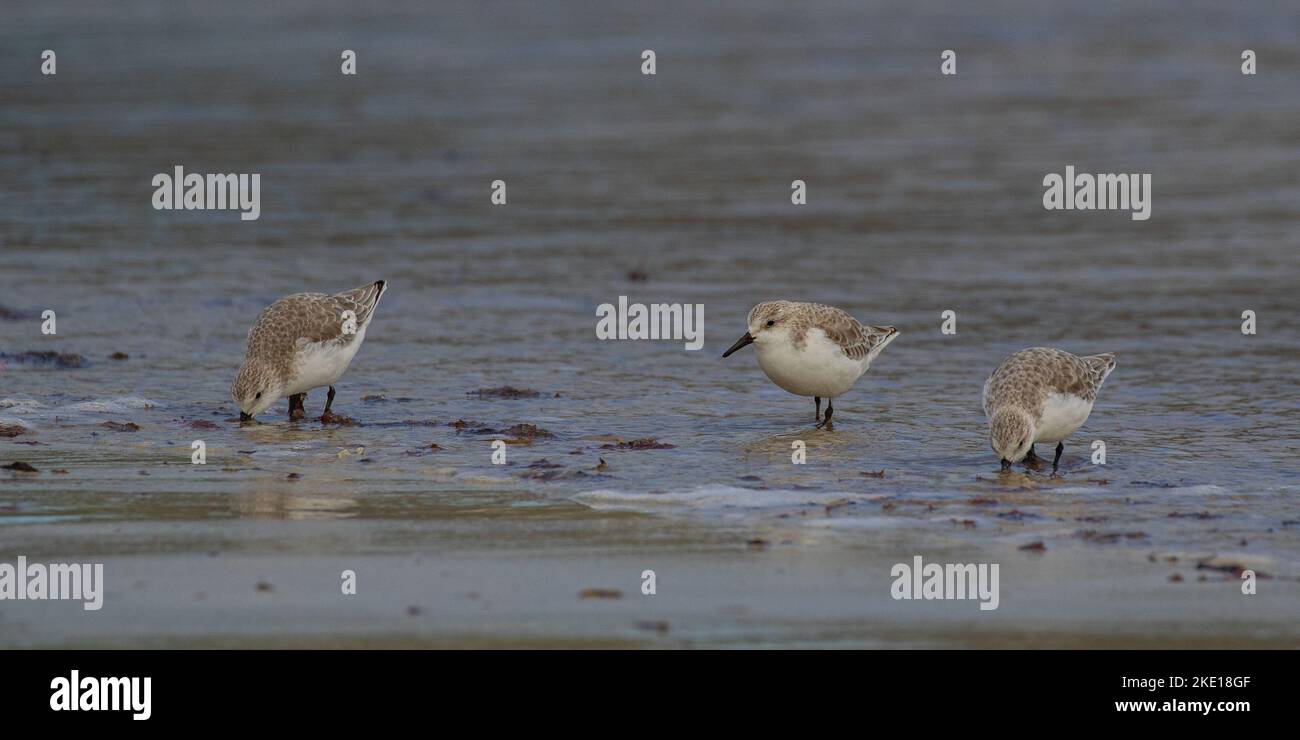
813 350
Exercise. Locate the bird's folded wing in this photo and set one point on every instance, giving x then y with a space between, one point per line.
851 335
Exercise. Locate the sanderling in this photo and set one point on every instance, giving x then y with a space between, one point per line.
300 342
812 350
1040 395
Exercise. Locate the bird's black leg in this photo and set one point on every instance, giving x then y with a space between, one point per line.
1031 457
1060 447
826 420
297 408
817 415
329 417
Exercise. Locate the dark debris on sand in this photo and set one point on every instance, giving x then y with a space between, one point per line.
20 467
61 360
519 434
15 314
600 593
1193 515
470 427
1236 569
1108 538
1017 515
12 430
505 391
129 426
648 443
525 434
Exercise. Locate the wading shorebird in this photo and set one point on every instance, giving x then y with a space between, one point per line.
1040 395
812 350
300 342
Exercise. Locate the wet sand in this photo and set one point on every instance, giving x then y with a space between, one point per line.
485 582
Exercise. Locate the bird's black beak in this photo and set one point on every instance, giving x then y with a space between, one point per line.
245 417
747 339
1006 464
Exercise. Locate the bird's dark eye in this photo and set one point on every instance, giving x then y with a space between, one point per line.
259 395
771 322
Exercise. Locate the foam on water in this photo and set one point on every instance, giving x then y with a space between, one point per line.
14 421
119 405
713 498
21 406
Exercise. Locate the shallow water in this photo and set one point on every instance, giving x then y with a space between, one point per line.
924 196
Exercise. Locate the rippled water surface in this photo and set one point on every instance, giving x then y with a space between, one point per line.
924 195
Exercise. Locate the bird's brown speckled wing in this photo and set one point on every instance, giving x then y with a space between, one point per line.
361 300
310 317
1027 377
855 338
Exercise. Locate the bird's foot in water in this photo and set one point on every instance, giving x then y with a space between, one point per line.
329 417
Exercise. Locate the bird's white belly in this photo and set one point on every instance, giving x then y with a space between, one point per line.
323 363
819 369
1062 414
